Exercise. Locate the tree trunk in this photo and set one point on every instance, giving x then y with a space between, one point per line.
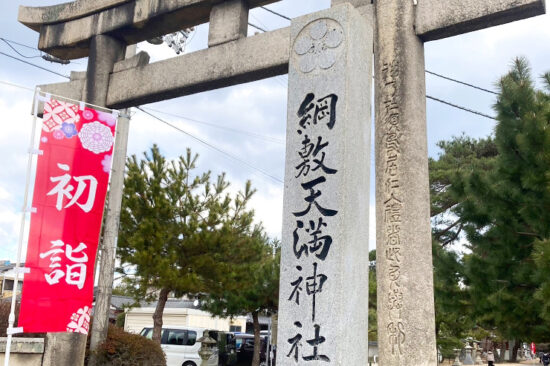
257 342
499 356
157 316
514 355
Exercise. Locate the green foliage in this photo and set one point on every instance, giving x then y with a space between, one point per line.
253 287
249 287
459 159
126 349
120 320
452 305
506 216
373 326
181 233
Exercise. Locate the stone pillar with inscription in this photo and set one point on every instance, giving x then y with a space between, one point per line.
323 304
406 327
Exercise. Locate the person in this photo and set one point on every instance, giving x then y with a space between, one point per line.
545 359
490 358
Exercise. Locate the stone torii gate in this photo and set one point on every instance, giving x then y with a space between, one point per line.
101 30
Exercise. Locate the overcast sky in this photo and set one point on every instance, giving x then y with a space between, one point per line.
251 118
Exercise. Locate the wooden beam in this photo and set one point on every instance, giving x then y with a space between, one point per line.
437 19
68 36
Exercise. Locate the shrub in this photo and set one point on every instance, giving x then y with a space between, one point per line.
126 349
5 307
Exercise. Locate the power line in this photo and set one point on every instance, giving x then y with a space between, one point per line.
461 82
15 50
235 130
20 44
255 26
427 71
213 147
16 85
460 107
260 22
427 96
274 12
38 66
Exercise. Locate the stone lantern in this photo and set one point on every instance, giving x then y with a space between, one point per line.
457 359
478 349
207 347
468 359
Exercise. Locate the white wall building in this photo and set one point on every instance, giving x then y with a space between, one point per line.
181 313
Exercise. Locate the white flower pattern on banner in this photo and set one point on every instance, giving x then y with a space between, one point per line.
106 163
88 114
80 321
96 137
108 118
57 112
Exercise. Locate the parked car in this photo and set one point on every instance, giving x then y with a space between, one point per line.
180 345
226 347
182 349
244 344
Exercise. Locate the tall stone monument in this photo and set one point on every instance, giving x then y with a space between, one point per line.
324 263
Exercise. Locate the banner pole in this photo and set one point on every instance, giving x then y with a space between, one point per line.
11 318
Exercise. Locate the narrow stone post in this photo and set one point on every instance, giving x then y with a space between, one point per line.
68 349
468 360
406 320
457 358
228 22
323 315
102 306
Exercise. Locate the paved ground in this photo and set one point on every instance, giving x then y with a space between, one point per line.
524 363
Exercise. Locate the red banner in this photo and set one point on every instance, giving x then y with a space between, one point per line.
72 175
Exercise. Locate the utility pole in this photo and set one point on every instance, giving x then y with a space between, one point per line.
106 265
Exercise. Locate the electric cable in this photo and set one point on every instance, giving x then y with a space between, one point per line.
274 178
274 12
19 53
427 71
255 26
461 82
427 96
235 130
37 66
20 44
460 107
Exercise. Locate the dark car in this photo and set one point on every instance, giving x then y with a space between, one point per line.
244 344
226 347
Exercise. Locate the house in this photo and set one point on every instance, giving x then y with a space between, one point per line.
7 278
182 313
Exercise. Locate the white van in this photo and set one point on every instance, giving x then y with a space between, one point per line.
180 345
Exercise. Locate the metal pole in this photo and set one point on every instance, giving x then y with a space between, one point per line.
11 318
268 350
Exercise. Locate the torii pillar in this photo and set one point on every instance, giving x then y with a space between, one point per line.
405 306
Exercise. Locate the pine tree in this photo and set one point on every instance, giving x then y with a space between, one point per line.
179 233
459 157
506 214
253 289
